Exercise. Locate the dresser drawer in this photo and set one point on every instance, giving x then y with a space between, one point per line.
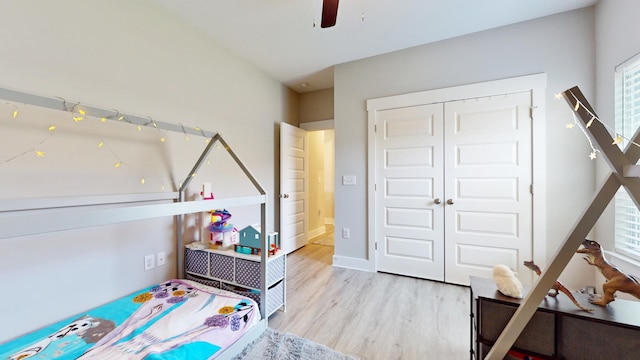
538 336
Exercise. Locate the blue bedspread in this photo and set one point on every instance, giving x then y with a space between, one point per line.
174 320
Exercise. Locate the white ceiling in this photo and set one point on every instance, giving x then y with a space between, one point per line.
279 36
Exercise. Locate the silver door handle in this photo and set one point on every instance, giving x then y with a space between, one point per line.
450 201
284 196
437 201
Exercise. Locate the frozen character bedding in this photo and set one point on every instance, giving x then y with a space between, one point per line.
178 319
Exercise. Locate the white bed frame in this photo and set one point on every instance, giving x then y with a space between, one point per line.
17 217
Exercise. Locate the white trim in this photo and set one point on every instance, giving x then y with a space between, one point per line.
320 230
350 263
536 84
318 125
626 263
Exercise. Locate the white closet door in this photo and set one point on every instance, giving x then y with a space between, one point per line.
487 179
410 232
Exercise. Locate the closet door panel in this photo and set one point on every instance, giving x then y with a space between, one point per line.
409 172
487 152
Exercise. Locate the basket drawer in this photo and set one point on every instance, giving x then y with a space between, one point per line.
196 261
208 282
221 266
248 273
275 300
255 296
276 270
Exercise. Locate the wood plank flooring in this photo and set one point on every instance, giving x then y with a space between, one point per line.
372 315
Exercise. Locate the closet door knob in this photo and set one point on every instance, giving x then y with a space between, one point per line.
284 196
450 201
436 201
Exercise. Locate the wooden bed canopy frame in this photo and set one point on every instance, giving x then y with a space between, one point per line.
18 216
624 172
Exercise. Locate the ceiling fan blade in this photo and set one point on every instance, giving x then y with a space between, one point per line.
329 13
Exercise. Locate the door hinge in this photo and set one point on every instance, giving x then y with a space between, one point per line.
531 189
531 108
376 245
375 128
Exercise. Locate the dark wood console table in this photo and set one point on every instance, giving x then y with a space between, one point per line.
558 329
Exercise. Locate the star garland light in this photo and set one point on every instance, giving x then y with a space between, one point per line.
80 114
36 149
617 138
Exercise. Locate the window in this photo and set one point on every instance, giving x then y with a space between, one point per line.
627 119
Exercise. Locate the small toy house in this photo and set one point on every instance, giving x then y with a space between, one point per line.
249 241
249 236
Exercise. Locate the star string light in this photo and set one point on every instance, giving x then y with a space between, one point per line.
36 150
79 114
617 138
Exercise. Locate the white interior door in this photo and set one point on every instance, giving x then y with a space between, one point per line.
488 177
293 187
409 189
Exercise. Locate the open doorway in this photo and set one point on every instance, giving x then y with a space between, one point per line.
320 215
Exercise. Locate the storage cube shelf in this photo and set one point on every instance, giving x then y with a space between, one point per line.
238 273
558 329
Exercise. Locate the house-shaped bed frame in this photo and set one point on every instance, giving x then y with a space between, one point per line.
17 217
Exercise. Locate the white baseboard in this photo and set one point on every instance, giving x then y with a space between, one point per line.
317 232
350 263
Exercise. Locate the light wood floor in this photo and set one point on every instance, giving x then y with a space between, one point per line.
372 315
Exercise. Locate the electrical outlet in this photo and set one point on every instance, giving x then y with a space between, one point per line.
149 262
161 258
346 233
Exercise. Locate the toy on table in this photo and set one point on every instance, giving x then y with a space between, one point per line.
223 234
206 192
249 242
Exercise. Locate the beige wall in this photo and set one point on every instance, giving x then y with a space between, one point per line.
316 183
329 176
316 105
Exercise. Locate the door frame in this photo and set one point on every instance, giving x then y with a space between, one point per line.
535 83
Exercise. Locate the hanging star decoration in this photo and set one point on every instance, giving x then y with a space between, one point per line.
618 138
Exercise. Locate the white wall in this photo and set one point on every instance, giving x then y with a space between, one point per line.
129 56
617 40
561 46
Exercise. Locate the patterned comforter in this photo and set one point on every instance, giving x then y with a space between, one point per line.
177 319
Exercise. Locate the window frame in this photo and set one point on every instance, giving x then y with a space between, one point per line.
627 121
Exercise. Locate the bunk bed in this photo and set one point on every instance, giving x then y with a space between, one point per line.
177 318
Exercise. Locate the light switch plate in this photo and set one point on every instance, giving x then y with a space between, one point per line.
349 180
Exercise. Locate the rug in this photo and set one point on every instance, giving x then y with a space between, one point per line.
274 345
